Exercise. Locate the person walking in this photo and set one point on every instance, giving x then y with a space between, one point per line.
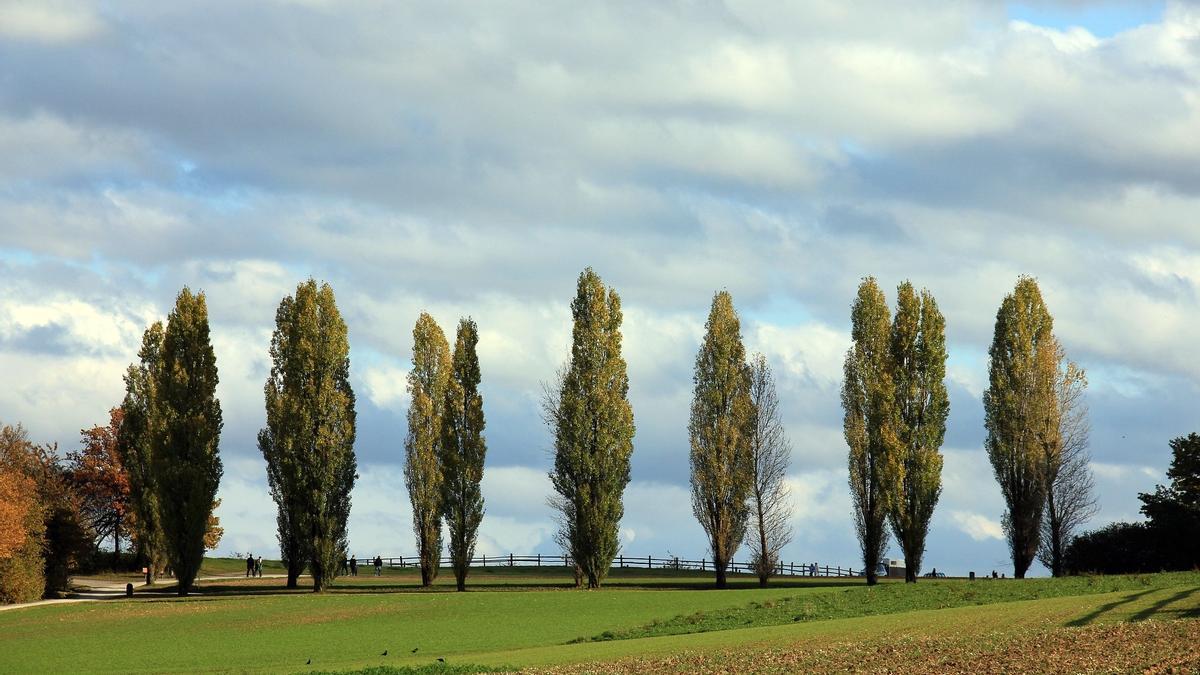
378 566
353 566
258 567
249 564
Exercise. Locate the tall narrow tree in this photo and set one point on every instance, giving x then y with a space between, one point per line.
593 430
186 460
770 451
1021 414
463 449
135 444
918 360
308 442
1070 498
721 428
422 459
868 399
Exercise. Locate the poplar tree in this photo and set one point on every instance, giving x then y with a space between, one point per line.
918 355
463 449
721 428
1022 414
593 427
135 445
427 383
187 420
308 442
770 450
870 422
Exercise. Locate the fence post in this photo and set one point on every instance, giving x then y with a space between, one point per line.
649 563
485 560
703 562
622 560
510 560
539 560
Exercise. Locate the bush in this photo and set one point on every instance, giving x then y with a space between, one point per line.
1120 548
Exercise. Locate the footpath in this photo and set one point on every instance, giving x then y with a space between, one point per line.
113 590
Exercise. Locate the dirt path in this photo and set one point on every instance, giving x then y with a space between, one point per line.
112 590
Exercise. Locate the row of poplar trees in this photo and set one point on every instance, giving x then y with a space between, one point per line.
445 448
739 452
170 434
896 406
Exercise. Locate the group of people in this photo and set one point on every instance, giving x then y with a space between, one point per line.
253 565
378 562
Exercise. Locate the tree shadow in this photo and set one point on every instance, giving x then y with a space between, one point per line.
1105 609
1158 607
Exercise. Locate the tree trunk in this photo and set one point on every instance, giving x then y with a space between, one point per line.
116 545
910 575
872 577
720 565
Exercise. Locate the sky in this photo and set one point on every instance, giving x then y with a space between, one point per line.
473 158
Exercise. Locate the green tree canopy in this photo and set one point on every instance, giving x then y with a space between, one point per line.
186 419
427 382
918 365
870 424
308 442
593 431
721 428
1022 414
463 450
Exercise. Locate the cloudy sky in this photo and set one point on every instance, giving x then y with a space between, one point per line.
472 160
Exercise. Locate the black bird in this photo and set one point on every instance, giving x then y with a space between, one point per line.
308 662
414 651
384 653
441 660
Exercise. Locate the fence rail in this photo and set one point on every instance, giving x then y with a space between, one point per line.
793 569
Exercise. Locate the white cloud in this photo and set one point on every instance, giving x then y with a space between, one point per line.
977 526
48 20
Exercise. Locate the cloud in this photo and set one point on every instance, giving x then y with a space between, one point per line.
48 20
977 526
465 161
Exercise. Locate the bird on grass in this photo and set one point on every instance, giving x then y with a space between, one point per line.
441 660
414 651
308 662
384 653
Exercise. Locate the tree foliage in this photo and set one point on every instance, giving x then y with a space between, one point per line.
186 422
308 442
1070 498
427 382
463 450
593 426
136 441
918 368
721 428
870 424
770 453
1173 510
1022 414
101 481
22 522
17 502
56 534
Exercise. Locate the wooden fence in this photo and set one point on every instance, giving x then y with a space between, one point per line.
793 569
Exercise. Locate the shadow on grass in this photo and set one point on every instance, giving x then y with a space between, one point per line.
1106 608
1160 607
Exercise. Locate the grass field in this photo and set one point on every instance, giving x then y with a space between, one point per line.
530 618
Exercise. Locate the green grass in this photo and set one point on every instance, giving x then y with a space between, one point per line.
894 598
255 625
